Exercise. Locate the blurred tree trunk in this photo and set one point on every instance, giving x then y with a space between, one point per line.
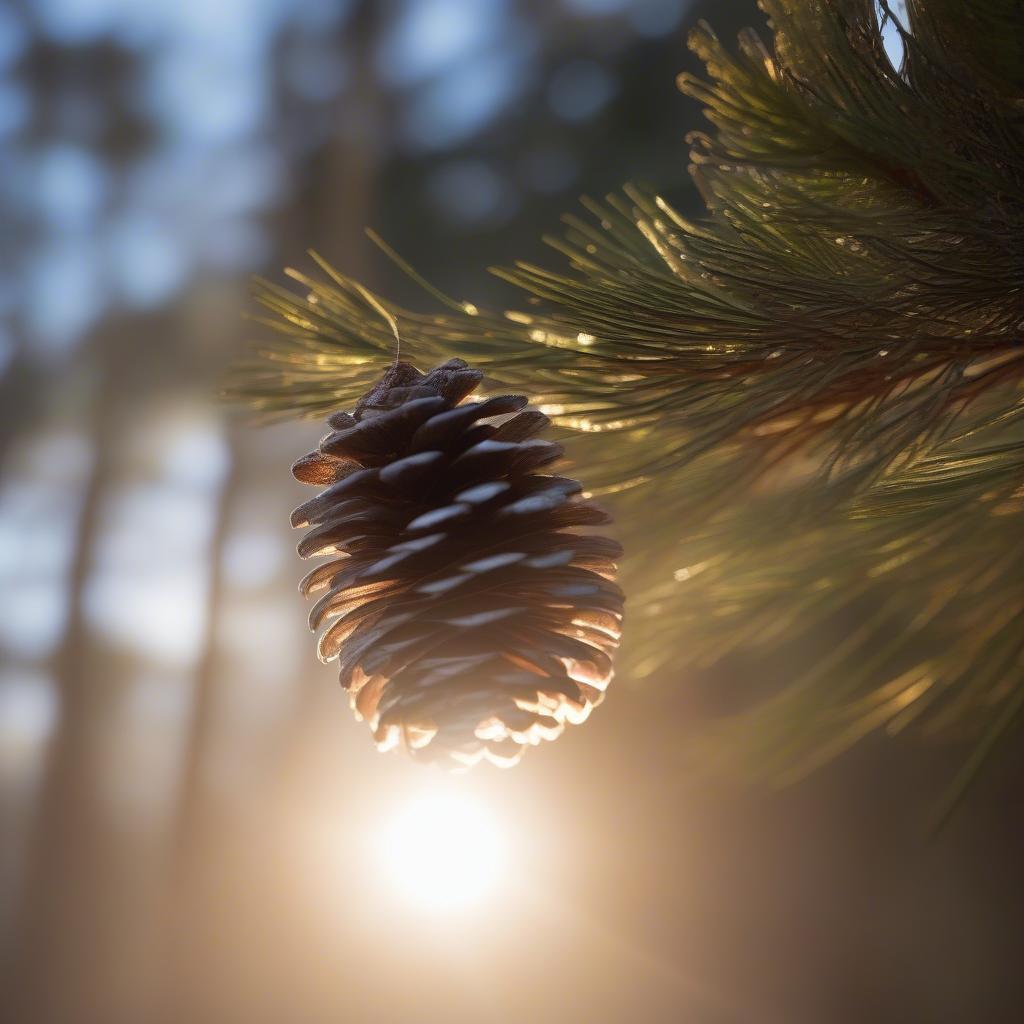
344 187
58 924
194 864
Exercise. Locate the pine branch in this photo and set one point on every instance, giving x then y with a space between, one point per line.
809 404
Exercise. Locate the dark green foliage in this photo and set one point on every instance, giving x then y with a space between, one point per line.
810 402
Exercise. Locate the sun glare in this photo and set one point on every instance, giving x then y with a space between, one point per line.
442 850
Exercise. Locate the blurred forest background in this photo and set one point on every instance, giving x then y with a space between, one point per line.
184 795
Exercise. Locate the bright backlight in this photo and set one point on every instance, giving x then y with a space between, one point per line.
442 850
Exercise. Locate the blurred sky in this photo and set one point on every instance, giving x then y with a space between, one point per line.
143 142
184 798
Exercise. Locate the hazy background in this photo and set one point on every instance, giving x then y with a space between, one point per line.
186 802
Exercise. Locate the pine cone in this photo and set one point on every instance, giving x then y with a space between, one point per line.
467 622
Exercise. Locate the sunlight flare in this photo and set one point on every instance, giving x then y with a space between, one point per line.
442 849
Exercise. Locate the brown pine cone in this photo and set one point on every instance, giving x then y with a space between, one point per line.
467 622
